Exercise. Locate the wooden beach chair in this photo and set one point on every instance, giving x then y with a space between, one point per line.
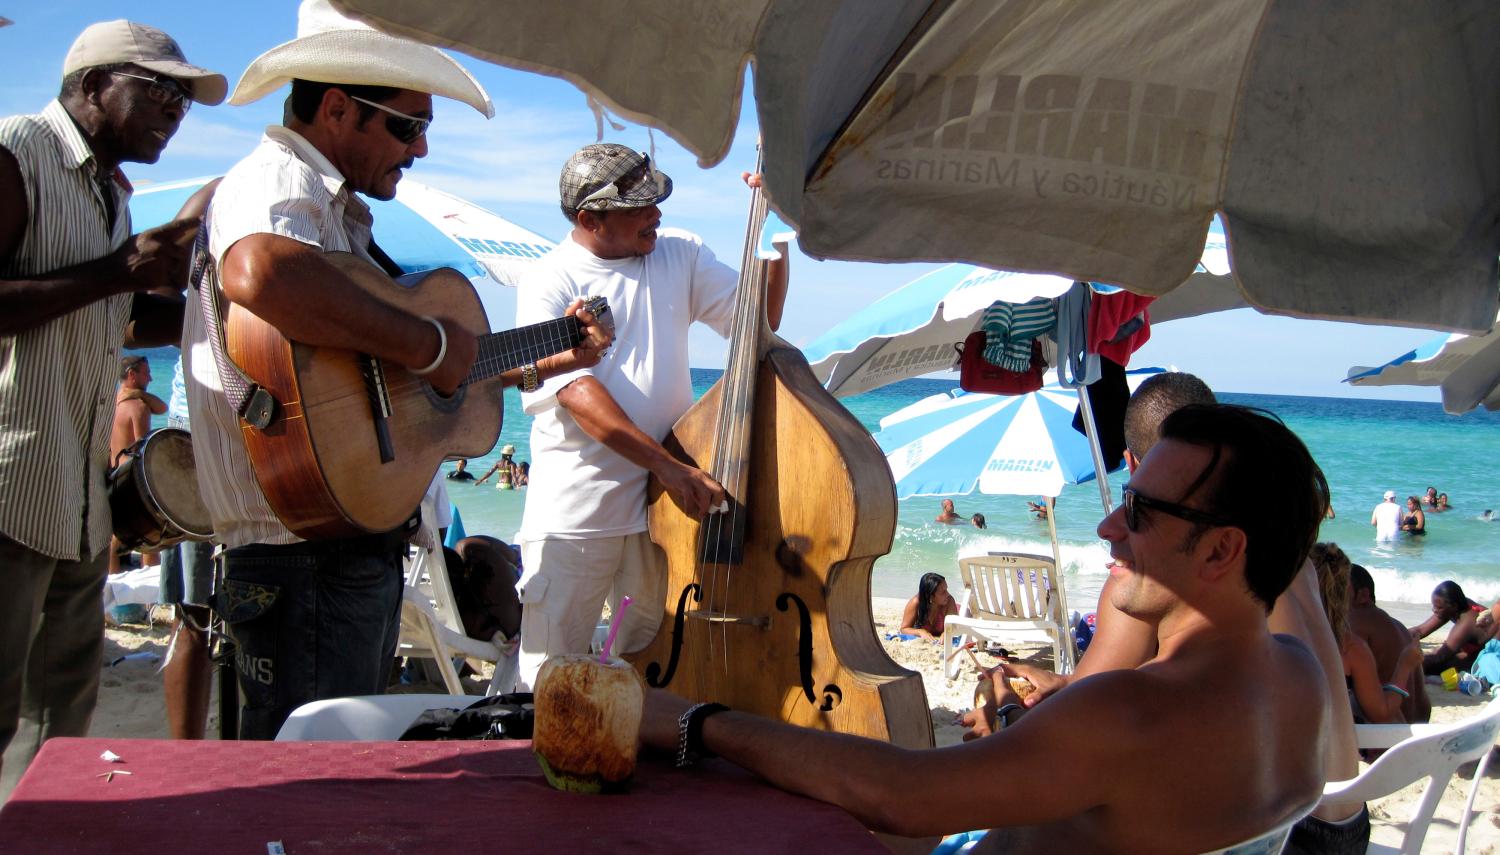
1010 595
1416 752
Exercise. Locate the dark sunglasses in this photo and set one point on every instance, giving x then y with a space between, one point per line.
621 186
406 129
1134 500
164 91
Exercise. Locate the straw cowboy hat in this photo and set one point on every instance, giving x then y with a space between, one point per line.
331 48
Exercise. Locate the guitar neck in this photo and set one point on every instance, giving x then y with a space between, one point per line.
501 351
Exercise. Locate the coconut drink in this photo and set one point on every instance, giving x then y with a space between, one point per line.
588 719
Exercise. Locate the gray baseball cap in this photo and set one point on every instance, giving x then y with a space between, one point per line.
111 42
609 177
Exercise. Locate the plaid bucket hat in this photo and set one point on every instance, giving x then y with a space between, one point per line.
609 177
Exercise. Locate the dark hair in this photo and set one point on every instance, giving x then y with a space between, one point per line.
307 95
1263 458
1361 579
977 520
1156 398
1451 592
129 362
925 591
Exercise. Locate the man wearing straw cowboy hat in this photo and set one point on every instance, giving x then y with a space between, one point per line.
73 283
318 619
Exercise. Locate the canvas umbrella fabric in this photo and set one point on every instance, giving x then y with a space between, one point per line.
913 330
421 229
1356 172
1466 367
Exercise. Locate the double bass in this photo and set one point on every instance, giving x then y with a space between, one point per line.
767 602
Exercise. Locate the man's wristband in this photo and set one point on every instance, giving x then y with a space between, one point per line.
1392 687
442 348
1004 711
530 381
690 733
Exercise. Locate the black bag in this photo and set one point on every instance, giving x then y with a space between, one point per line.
498 717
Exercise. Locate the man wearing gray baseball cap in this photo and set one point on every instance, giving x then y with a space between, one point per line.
596 433
74 286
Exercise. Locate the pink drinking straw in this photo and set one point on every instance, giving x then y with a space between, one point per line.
614 627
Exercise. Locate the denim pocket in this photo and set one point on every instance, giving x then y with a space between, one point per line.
241 601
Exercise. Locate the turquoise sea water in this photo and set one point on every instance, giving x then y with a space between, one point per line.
1365 447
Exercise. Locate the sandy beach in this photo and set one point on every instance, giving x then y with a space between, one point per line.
130 706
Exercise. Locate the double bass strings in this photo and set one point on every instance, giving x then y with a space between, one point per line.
732 440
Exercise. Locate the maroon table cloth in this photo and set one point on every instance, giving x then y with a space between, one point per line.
441 797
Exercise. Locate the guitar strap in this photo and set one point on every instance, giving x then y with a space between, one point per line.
250 402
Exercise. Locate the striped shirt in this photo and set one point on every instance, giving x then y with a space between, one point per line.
1010 328
57 380
285 187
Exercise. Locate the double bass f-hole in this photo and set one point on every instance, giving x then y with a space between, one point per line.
654 676
832 694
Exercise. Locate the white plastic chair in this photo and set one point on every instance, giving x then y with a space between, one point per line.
1415 752
367 718
1010 595
431 628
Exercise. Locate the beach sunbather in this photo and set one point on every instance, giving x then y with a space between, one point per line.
1465 639
1389 641
1121 641
78 286
928 611
1087 785
1374 699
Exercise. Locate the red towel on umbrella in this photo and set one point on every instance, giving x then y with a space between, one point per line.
1118 325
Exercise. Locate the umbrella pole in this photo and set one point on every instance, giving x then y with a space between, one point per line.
1093 434
1066 666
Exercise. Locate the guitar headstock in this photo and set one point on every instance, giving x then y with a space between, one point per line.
599 308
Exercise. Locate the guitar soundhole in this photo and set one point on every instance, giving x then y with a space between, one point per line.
445 404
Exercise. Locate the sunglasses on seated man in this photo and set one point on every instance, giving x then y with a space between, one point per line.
404 128
1134 500
163 90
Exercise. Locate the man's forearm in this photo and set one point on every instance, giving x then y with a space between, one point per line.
155 321
601 417
29 303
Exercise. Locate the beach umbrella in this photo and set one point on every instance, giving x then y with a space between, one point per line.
421 229
954 443
913 330
1353 149
1467 367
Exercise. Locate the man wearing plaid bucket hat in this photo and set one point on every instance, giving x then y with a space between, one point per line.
596 434
74 287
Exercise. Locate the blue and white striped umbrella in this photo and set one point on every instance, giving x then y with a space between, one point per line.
421 229
1467 367
912 330
954 443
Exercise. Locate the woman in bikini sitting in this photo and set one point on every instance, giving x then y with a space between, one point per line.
1465 639
926 613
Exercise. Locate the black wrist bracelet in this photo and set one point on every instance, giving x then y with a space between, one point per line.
690 733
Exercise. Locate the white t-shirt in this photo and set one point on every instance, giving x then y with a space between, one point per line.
579 488
1387 521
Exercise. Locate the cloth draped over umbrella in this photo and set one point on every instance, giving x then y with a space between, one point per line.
1356 170
1467 368
421 229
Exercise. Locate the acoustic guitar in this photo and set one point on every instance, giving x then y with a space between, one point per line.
353 442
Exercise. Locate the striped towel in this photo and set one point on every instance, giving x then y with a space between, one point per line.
1009 329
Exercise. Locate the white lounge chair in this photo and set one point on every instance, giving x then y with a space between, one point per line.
1269 843
1415 752
367 718
1010 595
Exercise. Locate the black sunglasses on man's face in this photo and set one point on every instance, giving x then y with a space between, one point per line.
1134 500
404 128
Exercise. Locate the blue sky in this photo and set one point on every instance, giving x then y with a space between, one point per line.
510 165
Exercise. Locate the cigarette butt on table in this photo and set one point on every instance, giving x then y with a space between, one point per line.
111 757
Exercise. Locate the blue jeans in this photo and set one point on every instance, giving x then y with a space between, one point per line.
311 620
